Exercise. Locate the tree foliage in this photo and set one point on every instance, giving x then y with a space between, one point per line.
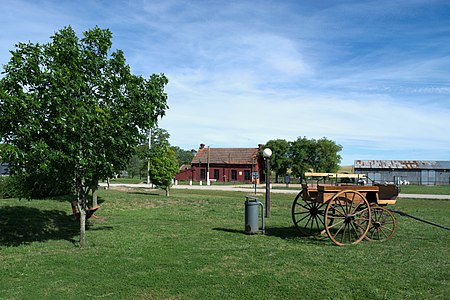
184 156
71 108
303 155
137 165
280 160
163 161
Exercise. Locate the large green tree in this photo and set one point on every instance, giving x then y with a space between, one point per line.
280 160
316 155
71 108
301 151
303 155
325 157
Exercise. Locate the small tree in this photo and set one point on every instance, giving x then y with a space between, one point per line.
163 167
71 109
163 160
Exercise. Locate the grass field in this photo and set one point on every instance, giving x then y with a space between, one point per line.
143 245
426 189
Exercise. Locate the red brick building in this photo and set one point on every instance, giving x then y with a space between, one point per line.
225 165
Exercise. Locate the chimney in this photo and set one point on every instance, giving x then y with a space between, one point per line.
202 146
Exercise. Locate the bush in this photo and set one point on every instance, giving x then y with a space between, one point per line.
29 187
8 187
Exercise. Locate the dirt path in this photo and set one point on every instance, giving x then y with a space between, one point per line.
259 189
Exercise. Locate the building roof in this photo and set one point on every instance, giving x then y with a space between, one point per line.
226 156
402 164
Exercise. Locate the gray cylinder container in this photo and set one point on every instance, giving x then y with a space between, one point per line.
251 215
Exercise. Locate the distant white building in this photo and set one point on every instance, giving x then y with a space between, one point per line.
424 172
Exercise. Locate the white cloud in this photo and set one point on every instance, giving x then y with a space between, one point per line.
373 76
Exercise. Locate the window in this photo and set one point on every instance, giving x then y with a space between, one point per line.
216 174
233 175
202 174
247 175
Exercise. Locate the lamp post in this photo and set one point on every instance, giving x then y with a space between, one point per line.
148 162
207 169
266 154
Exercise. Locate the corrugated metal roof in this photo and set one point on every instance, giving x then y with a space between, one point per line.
402 164
226 155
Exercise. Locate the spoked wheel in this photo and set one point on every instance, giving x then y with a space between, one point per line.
308 216
383 224
347 218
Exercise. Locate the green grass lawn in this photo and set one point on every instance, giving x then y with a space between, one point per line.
143 245
426 189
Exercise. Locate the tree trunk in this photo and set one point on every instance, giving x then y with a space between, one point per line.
82 208
82 225
94 195
94 198
167 192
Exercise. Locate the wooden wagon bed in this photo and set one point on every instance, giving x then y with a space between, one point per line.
346 213
322 193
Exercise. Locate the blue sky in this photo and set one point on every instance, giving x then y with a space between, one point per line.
374 76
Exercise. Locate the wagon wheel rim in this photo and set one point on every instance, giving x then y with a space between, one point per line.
347 218
308 216
383 224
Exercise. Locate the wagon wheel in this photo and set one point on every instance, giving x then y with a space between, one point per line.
308 216
347 217
382 225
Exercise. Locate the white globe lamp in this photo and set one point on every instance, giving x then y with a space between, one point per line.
267 153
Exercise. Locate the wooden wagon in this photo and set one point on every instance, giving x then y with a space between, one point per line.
346 213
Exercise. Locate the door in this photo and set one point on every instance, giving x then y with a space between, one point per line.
428 177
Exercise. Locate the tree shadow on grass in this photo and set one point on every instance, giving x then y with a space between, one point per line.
66 198
291 233
24 225
285 233
145 193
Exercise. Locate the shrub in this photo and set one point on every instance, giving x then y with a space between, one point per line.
8 187
29 187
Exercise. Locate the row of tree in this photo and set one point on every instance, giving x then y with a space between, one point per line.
163 159
138 163
303 155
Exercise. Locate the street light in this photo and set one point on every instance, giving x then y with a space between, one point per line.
267 153
207 169
149 147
